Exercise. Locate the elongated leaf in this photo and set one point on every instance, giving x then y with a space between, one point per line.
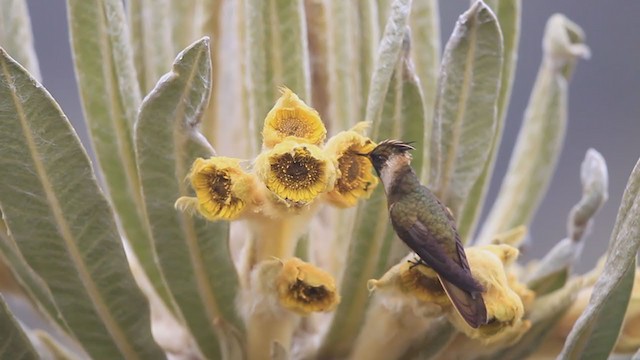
465 114
193 254
110 97
386 59
213 28
150 24
49 348
62 222
14 343
546 312
343 55
318 35
596 330
425 44
16 36
364 260
368 38
31 283
277 55
509 15
540 139
404 118
433 341
553 270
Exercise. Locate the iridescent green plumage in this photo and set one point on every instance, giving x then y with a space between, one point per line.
428 228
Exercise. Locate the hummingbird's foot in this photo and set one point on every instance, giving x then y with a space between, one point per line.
415 262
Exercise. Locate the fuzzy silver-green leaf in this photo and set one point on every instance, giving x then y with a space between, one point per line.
466 104
594 334
14 343
364 260
16 36
540 139
553 269
63 225
110 96
193 254
150 24
509 14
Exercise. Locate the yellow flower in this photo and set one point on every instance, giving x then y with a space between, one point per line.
304 288
295 173
505 308
223 190
355 177
417 287
291 117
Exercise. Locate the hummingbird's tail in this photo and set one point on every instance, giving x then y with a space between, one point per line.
469 305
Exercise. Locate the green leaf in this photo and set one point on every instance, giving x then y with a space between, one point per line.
277 55
595 332
49 348
388 54
546 312
150 24
31 283
344 67
539 142
553 270
437 337
465 113
193 254
364 260
509 14
16 36
110 97
425 52
213 28
404 117
14 343
63 224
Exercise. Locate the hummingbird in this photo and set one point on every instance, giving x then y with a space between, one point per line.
423 223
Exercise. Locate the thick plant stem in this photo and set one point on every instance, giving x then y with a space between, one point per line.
266 329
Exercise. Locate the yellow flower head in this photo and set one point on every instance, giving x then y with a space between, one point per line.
417 287
304 288
291 117
223 189
295 173
355 177
505 308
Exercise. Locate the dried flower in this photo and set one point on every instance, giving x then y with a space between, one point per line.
295 173
223 190
355 178
290 117
304 288
505 308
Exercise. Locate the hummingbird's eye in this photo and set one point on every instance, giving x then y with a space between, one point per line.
378 160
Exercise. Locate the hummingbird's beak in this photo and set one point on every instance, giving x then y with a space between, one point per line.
361 154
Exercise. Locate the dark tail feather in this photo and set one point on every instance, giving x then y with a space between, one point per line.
469 305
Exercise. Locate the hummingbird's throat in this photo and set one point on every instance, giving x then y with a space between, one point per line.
388 173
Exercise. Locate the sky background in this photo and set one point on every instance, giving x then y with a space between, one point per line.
604 101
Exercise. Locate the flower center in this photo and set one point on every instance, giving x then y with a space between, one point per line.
350 170
219 186
297 171
308 294
292 125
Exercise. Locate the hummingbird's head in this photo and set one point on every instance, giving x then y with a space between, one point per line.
389 155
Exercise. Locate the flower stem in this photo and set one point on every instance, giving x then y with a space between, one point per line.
265 329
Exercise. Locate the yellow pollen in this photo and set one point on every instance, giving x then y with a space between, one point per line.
297 171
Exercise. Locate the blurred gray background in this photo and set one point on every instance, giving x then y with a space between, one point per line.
604 101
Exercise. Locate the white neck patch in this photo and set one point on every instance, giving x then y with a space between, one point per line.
387 173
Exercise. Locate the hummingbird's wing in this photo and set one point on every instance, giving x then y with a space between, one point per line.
446 256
